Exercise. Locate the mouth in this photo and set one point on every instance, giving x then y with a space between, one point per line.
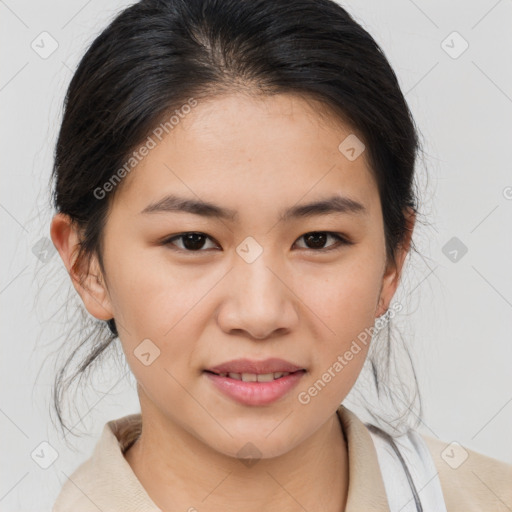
255 377
253 388
251 369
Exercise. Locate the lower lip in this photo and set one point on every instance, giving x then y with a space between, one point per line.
255 393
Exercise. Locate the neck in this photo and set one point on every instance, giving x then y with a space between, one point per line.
179 472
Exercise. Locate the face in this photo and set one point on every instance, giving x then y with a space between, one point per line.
193 288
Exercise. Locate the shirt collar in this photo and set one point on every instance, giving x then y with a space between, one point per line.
107 482
366 489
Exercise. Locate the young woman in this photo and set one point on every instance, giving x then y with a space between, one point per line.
235 203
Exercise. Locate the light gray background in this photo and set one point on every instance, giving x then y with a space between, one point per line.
459 326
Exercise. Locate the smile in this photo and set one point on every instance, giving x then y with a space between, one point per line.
254 377
255 389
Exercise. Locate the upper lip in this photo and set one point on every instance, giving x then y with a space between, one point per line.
272 365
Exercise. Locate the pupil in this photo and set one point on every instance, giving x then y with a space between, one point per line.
193 241
318 239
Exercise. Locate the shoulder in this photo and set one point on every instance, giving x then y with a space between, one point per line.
74 493
105 481
470 480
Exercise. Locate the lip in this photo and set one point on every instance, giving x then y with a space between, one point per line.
255 393
272 365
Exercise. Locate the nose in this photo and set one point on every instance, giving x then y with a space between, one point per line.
259 303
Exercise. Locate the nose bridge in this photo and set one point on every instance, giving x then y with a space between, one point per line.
259 302
260 287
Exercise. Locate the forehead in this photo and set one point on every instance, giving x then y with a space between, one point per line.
242 149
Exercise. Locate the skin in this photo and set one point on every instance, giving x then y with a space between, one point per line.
255 155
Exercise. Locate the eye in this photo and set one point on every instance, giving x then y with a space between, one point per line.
195 241
192 241
318 238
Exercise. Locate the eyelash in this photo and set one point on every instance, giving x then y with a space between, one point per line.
342 241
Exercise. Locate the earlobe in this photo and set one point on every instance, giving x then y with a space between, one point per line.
390 281
88 282
393 272
389 285
94 293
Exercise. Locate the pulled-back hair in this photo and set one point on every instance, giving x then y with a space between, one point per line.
157 54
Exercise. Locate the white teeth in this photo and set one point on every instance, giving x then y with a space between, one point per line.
253 377
265 377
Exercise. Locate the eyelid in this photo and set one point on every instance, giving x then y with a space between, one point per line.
168 241
342 240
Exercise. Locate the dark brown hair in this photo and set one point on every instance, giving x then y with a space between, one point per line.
156 54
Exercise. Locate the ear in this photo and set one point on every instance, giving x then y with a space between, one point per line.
393 271
88 282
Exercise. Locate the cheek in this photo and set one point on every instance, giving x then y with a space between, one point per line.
344 297
146 292
343 304
156 302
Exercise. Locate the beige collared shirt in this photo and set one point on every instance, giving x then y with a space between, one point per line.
106 483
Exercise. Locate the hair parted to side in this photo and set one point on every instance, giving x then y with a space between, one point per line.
157 54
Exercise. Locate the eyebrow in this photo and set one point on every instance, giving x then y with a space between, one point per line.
327 206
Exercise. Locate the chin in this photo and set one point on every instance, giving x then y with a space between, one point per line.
251 445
